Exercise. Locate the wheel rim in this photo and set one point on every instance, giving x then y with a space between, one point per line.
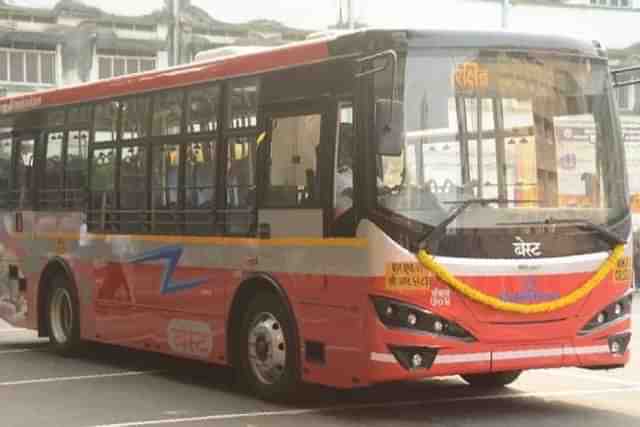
61 315
267 348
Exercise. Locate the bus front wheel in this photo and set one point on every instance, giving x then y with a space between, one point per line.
63 315
268 364
492 380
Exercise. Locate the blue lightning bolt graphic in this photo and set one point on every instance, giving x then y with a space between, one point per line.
171 255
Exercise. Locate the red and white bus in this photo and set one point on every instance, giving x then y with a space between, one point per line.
368 207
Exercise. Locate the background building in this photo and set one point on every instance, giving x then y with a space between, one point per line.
73 43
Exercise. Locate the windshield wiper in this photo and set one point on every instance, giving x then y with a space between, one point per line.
435 235
602 232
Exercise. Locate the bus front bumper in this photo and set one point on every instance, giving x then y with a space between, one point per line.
401 362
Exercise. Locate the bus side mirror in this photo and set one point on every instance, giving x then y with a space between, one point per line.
389 127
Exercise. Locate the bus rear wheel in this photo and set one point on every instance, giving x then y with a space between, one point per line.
63 316
492 380
267 350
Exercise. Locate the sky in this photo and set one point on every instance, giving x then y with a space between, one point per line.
311 14
468 14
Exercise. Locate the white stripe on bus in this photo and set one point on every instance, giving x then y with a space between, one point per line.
501 355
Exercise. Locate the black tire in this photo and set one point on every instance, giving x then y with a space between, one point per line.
493 380
266 320
63 316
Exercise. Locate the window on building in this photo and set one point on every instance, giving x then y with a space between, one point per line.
243 104
118 65
202 113
623 95
167 113
27 66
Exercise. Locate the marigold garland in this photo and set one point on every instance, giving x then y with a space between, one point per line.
445 276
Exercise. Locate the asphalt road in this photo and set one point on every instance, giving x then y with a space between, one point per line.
109 386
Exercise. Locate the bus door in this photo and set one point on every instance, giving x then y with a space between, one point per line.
294 204
297 158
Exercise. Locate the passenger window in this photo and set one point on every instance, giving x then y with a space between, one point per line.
50 194
243 104
80 115
293 168
343 192
76 170
200 187
135 113
5 170
133 175
200 172
24 172
106 122
165 196
55 118
102 189
240 173
167 113
203 110
239 218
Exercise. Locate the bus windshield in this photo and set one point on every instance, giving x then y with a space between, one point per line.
534 131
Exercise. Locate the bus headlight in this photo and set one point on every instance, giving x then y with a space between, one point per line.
613 312
395 314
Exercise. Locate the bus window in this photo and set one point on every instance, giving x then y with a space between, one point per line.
243 104
102 189
5 170
343 194
135 112
106 122
165 178
200 186
240 184
23 186
202 114
167 113
76 167
133 189
293 175
50 193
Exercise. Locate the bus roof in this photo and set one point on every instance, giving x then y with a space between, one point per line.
290 55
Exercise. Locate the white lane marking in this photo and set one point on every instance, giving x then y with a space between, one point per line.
75 378
592 377
17 350
381 405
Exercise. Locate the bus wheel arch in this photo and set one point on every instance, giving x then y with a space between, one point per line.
56 266
243 298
